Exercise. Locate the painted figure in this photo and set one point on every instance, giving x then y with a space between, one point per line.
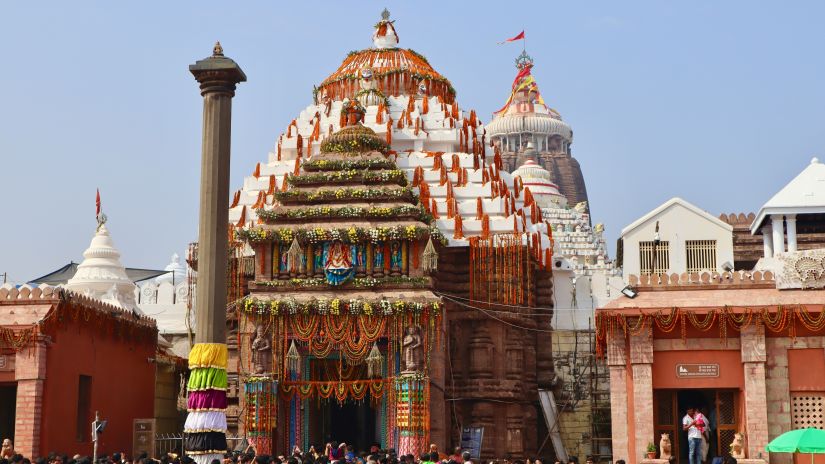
338 267
378 257
395 256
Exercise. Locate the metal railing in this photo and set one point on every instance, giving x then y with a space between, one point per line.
166 443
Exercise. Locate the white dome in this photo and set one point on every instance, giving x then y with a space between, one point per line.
101 274
535 123
175 270
537 179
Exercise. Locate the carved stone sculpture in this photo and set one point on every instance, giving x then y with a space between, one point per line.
261 352
737 448
665 447
413 350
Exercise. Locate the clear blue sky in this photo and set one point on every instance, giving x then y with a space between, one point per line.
720 103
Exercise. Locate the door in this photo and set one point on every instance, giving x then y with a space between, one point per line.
720 406
726 420
666 418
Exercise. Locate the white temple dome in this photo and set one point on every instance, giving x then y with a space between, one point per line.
534 123
101 275
176 272
537 179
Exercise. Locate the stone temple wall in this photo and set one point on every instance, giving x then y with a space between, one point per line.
494 365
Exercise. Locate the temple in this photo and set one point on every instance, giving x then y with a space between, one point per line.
401 284
525 118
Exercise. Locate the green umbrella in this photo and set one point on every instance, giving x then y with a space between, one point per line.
808 440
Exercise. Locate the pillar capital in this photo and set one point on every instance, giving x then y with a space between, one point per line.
217 73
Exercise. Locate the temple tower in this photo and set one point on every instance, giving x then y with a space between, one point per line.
525 118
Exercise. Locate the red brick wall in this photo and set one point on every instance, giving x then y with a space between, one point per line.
123 382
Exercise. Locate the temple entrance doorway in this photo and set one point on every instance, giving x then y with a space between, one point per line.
8 404
351 422
720 407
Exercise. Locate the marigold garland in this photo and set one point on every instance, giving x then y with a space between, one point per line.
775 319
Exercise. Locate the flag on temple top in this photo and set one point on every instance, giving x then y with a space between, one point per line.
520 36
524 81
97 204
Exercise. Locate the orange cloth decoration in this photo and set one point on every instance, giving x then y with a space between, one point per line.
459 229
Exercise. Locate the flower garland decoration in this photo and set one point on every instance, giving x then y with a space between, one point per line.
335 307
396 176
350 235
342 389
775 319
357 282
356 164
330 212
354 142
346 194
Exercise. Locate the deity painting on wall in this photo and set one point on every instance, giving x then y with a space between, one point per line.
338 265
283 263
396 263
359 258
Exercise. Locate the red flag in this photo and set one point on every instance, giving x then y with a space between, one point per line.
97 203
520 36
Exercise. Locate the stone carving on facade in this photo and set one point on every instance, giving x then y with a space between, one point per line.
413 349
801 269
665 447
261 351
737 448
148 294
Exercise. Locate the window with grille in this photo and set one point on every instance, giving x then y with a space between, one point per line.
651 263
701 255
808 410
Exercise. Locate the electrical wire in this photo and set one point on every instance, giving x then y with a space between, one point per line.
487 313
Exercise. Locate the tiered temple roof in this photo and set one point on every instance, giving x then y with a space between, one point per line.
441 149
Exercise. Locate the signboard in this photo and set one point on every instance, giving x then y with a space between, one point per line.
692 371
471 438
143 436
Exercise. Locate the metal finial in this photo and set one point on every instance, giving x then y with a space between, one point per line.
524 60
217 50
385 15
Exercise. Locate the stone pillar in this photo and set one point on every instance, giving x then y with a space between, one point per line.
756 396
641 361
790 224
619 413
778 233
767 241
437 371
30 374
217 76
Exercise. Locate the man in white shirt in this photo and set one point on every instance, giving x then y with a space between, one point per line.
694 426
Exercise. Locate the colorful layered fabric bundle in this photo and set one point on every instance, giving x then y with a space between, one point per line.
205 428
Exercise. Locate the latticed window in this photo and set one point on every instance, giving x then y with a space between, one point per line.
651 263
701 255
808 410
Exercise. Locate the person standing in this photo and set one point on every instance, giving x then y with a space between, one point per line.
694 428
